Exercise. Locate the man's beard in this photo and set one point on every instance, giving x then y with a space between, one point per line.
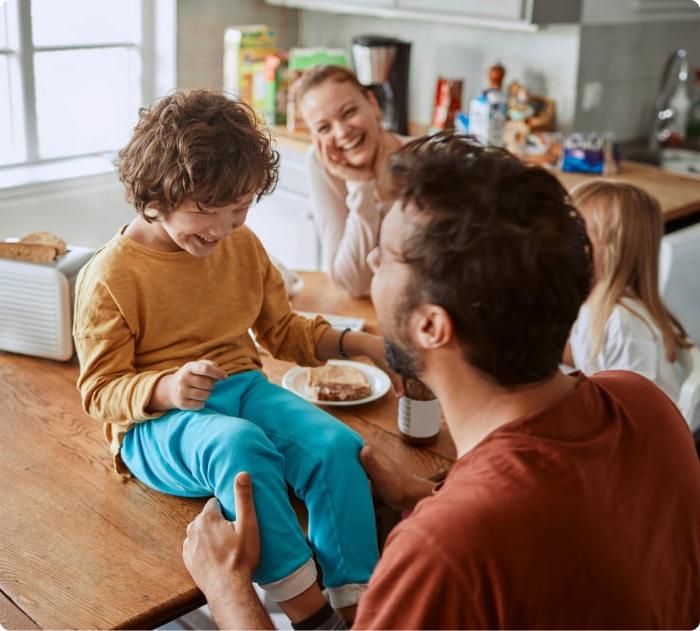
403 361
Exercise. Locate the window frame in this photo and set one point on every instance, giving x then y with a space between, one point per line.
158 23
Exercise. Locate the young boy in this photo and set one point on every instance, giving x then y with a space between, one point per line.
166 362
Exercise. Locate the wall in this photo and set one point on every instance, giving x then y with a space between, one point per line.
453 51
545 61
200 35
627 61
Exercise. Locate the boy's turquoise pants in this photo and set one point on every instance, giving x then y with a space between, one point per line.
251 425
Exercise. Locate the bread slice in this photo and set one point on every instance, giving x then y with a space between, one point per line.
46 238
337 383
31 252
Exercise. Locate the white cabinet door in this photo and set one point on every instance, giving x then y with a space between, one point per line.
501 9
365 3
285 225
335 6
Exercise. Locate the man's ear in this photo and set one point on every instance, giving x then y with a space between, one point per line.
431 327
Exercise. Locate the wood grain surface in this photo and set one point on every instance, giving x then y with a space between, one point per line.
678 194
79 548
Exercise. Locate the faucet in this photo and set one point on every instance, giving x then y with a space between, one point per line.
676 67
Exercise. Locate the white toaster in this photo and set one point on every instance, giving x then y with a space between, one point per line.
36 304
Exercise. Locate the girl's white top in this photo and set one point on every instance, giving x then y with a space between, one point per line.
630 342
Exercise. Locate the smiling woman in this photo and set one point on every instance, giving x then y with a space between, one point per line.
350 149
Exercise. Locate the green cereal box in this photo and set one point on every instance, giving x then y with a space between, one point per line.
300 60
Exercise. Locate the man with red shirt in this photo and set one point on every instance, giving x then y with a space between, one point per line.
574 501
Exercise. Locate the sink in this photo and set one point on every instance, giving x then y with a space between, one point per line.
681 161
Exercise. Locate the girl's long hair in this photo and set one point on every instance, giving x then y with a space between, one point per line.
625 226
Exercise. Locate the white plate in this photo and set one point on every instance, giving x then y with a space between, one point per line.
294 380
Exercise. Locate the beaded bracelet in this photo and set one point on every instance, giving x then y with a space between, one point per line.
341 350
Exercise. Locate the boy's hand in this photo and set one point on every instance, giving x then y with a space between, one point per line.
188 388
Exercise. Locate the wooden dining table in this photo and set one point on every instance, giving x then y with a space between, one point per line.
81 548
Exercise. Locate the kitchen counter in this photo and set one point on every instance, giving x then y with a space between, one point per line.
679 195
297 141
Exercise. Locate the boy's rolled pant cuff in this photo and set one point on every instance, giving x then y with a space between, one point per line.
345 595
296 583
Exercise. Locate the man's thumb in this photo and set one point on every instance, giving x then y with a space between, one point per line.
243 498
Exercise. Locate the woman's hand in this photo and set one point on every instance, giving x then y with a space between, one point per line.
336 165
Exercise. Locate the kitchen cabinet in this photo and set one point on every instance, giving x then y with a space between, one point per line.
505 9
606 12
530 11
516 14
284 221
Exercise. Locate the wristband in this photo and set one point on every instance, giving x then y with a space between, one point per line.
341 349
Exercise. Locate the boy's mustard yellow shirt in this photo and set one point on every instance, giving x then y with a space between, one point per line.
142 313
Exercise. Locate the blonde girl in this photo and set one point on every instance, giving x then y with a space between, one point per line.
624 324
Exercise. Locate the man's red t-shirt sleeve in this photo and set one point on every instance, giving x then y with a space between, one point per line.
415 587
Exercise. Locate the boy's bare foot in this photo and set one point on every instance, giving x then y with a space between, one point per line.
347 613
304 605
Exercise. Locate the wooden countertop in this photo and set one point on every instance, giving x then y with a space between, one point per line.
678 194
81 549
297 141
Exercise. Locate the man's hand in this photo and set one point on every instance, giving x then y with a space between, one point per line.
392 484
221 556
188 388
219 553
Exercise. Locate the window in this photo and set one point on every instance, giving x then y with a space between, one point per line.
73 74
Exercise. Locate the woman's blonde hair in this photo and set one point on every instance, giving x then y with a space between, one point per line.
625 227
318 75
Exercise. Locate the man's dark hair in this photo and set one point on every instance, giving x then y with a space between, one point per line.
499 246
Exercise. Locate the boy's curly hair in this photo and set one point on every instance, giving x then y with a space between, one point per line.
197 145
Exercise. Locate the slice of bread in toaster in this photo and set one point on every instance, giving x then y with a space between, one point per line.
30 252
46 238
337 383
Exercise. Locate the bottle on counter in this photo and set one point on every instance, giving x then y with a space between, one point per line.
487 112
419 414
